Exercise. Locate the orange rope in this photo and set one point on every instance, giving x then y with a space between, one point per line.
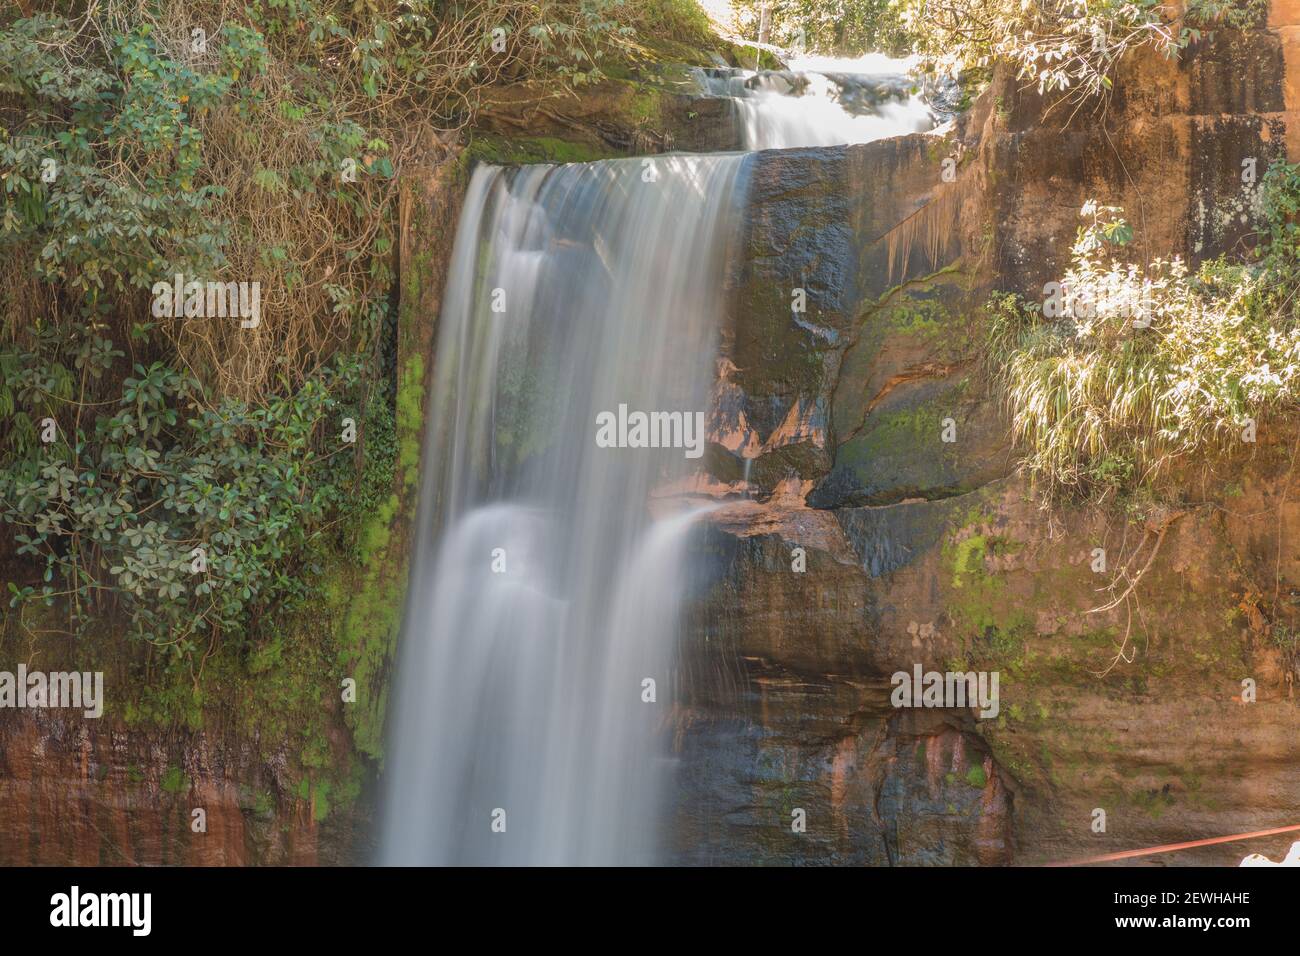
1171 847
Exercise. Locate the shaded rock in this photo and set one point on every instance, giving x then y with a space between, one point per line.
870 785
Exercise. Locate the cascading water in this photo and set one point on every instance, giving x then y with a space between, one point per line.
544 595
821 102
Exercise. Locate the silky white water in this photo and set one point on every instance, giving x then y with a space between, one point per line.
544 596
824 102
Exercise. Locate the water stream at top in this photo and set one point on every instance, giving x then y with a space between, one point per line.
826 102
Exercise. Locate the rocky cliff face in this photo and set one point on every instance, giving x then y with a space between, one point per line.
932 552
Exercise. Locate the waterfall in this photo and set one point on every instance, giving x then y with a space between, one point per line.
545 595
822 102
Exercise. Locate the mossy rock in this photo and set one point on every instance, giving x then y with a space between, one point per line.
903 450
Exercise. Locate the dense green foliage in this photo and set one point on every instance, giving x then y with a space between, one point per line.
1143 369
198 514
226 140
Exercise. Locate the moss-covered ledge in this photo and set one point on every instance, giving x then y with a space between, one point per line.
372 595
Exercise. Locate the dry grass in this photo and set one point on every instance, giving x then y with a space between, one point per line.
1099 404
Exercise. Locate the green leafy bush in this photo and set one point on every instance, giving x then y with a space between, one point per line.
183 519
